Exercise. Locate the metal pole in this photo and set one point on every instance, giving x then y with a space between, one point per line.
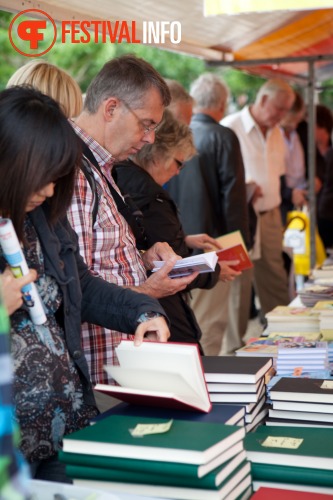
312 162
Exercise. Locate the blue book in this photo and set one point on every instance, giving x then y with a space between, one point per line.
220 414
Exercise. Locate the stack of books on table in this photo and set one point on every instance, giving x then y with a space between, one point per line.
160 458
302 402
287 319
325 309
313 293
296 458
241 381
307 355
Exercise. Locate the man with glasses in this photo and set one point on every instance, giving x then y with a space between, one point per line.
123 107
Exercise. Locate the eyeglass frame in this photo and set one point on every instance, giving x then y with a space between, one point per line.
180 164
146 130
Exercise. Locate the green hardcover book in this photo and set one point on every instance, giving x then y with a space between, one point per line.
298 475
213 480
185 442
151 466
293 446
231 489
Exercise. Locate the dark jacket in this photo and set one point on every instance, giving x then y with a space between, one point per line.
85 297
210 192
162 223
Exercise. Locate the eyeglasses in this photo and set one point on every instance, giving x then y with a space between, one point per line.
180 164
146 129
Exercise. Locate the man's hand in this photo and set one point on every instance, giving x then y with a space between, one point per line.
226 272
257 194
298 197
202 241
159 251
11 288
159 284
153 329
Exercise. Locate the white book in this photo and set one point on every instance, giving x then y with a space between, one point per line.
160 374
202 263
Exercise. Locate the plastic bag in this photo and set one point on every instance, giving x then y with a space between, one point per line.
297 236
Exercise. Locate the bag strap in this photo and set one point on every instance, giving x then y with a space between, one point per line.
296 217
127 208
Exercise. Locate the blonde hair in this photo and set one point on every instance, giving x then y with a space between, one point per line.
170 136
52 81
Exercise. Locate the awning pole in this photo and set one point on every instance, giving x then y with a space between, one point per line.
312 162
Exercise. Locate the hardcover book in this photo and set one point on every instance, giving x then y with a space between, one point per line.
300 475
233 369
292 446
232 489
159 374
233 248
303 389
277 491
113 437
152 466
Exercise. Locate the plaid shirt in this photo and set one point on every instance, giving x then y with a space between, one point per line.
108 248
13 470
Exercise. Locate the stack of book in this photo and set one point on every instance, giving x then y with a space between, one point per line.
302 402
231 379
305 355
292 458
287 319
158 457
268 346
313 293
325 309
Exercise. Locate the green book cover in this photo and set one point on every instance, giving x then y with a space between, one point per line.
151 466
298 475
293 446
185 442
214 480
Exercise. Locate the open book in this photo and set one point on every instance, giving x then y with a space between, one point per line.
202 263
159 374
234 249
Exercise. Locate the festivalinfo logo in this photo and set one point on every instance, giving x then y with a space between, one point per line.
33 32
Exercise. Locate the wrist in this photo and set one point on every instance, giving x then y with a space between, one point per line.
146 316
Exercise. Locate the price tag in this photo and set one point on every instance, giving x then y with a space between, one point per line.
145 429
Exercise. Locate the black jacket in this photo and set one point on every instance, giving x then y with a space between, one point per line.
210 192
161 222
85 297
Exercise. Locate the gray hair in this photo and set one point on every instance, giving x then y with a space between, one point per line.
128 78
177 91
208 91
170 136
273 87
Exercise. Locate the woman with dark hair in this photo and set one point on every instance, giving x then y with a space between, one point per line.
52 391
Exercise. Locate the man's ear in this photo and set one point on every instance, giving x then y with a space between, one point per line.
110 105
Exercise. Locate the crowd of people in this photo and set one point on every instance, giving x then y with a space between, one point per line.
97 190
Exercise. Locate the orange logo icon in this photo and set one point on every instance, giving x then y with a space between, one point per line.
32 37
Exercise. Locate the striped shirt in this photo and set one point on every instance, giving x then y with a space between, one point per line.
108 248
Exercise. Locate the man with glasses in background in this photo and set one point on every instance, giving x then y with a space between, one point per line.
123 107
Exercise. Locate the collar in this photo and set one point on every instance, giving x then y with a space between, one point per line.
248 120
103 157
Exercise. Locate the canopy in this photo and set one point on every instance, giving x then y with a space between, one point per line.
219 38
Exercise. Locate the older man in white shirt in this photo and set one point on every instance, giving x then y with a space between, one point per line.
263 151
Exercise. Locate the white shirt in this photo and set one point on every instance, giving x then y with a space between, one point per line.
263 157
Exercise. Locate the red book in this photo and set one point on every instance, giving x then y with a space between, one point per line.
264 493
238 252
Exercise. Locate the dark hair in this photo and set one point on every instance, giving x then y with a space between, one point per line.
37 146
324 118
128 78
